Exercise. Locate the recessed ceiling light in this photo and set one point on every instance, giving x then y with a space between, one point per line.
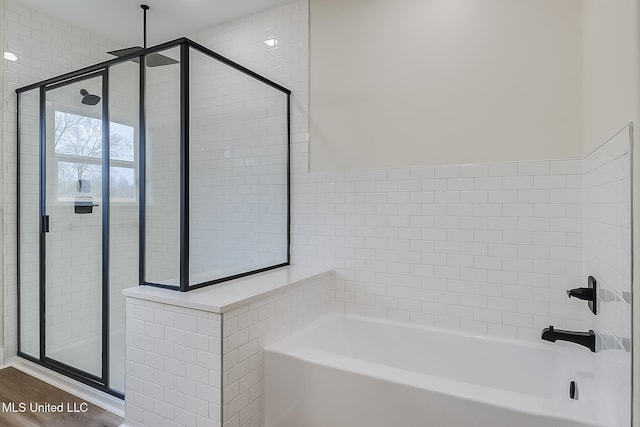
272 42
10 56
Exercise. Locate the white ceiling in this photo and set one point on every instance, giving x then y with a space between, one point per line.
121 20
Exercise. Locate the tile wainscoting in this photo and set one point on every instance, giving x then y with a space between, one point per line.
195 358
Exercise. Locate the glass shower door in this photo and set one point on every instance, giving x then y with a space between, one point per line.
73 225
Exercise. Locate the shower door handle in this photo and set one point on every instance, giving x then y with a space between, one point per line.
45 223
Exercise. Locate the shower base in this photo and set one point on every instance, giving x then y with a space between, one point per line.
81 355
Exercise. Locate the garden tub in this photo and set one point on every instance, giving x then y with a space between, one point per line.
349 371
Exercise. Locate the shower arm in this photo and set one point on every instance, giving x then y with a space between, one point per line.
144 24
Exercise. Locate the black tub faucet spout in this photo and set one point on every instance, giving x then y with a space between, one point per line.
587 339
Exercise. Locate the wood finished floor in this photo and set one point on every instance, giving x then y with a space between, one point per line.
18 387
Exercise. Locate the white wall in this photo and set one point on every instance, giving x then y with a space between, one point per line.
443 82
609 68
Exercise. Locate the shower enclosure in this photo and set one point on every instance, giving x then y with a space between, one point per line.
134 171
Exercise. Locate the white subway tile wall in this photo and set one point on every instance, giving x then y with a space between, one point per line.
247 330
173 365
238 172
285 62
489 248
195 368
607 257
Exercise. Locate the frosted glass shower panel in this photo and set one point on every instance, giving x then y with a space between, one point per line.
162 209
238 153
29 222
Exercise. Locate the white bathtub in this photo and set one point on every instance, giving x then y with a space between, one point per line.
350 371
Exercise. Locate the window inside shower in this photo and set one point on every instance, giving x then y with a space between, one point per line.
78 152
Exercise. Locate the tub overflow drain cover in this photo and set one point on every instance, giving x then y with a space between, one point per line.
573 390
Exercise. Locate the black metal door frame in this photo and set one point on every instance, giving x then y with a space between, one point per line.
101 382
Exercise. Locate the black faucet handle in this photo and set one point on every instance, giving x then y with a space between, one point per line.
588 294
582 293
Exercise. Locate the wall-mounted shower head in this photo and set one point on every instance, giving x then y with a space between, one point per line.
88 98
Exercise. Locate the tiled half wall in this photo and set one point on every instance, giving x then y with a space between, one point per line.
197 367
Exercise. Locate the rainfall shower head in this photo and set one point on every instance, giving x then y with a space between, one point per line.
151 60
88 98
